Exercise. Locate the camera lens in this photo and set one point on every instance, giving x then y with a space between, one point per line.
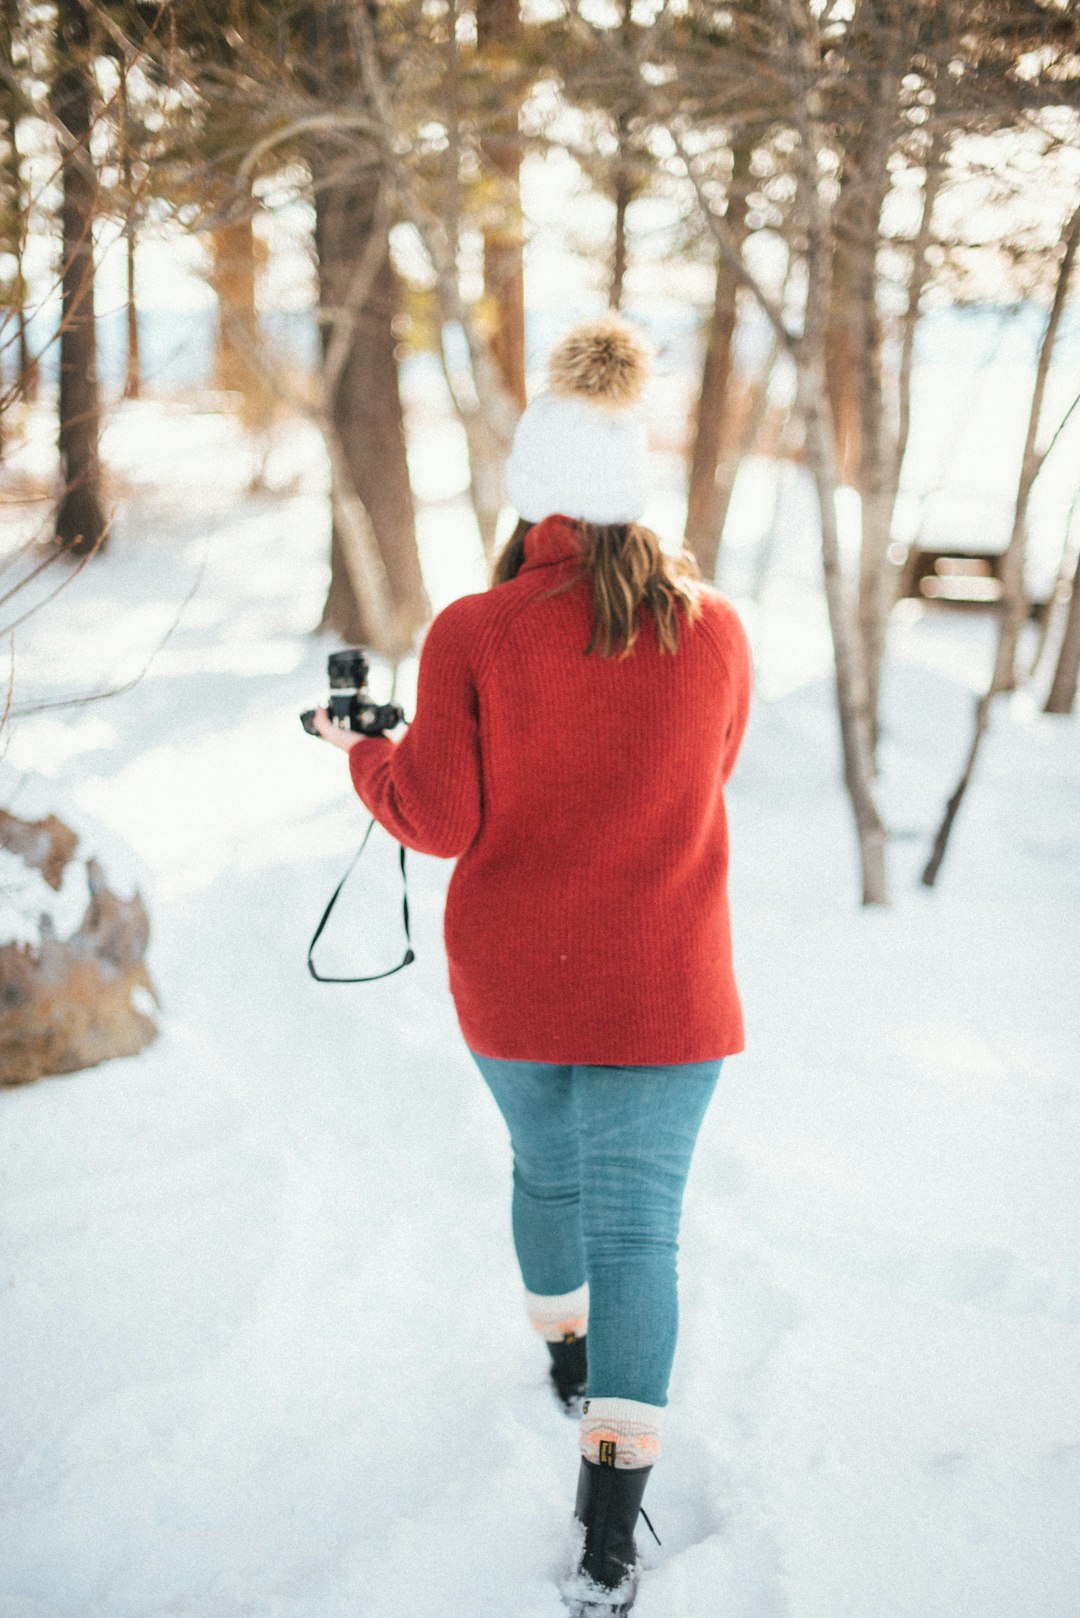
347 670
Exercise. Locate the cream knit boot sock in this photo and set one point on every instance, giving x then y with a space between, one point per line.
560 1316
622 1432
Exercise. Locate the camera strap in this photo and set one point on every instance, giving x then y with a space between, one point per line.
408 957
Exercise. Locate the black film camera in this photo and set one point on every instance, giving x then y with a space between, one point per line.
349 704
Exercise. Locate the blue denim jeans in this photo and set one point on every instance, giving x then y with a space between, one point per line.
601 1156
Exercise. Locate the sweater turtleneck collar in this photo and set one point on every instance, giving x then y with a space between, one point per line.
553 539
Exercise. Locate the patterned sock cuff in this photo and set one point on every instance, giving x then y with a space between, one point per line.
622 1432
559 1316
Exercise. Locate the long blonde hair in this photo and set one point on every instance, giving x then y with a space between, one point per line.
627 567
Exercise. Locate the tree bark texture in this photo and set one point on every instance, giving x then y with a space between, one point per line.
366 404
233 276
624 195
814 409
497 27
373 554
703 517
842 368
80 523
851 697
917 278
877 457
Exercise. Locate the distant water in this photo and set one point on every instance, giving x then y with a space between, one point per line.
178 345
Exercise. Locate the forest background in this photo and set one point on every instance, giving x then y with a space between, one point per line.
838 173
276 282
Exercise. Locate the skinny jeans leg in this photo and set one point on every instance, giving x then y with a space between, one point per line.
637 1129
536 1100
601 1157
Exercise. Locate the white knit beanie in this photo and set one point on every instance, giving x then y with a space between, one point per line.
580 447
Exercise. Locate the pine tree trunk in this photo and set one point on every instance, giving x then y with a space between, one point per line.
340 610
497 28
704 516
80 524
373 554
1062 696
232 276
366 403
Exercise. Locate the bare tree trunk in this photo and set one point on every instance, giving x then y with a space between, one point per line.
842 366
851 696
497 27
625 189
877 487
80 524
808 354
1059 595
854 339
703 517
26 369
624 196
132 368
1014 600
920 269
1014 595
133 365
1062 696
487 411
813 399
492 400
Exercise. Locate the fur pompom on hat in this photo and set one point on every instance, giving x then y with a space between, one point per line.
580 448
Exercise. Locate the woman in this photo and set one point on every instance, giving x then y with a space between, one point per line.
574 729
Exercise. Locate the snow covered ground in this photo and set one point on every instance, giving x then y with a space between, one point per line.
260 1328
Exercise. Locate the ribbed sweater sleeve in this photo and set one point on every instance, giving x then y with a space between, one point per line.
742 675
730 642
425 789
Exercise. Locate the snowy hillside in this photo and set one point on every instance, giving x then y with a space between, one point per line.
263 1350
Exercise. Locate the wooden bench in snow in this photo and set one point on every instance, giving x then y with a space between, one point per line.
956 549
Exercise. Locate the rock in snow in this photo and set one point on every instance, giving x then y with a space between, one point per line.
66 1002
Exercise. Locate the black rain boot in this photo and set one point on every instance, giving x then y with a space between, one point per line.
569 1372
607 1506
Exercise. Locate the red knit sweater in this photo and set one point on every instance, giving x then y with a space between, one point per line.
587 918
